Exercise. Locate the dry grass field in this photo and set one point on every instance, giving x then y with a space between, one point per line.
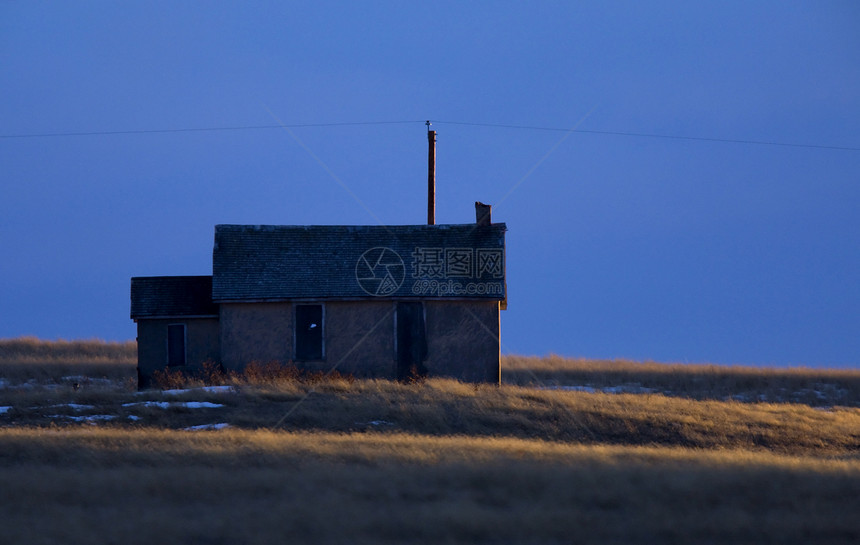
566 451
816 387
30 359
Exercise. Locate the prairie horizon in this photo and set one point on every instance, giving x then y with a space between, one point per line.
117 343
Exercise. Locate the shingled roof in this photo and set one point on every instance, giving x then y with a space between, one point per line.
172 296
266 262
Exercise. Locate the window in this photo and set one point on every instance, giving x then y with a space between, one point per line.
175 345
309 332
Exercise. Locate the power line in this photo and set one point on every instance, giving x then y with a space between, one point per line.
422 121
655 135
202 129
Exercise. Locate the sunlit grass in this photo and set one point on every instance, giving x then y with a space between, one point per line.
444 407
698 381
87 446
34 350
153 485
312 459
31 359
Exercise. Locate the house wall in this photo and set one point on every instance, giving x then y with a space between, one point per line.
356 335
359 337
463 340
256 332
202 344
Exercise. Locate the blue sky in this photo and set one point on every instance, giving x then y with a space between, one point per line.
618 246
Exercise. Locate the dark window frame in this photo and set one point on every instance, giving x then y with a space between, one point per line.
172 351
309 345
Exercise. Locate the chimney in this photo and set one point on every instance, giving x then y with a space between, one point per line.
482 214
431 176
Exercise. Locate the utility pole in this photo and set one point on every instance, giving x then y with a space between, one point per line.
431 175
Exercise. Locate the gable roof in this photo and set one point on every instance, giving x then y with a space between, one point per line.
268 262
172 296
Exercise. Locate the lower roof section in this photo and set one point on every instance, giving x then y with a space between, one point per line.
169 296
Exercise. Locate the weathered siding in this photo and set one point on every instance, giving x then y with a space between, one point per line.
256 332
463 340
202 344
359 338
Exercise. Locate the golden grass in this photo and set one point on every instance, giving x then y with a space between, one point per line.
31 359
152 485
446 407
34 350
372 461
565 366
698 381
88 446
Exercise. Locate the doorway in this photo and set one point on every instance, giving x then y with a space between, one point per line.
411 341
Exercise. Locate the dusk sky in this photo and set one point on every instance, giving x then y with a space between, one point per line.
680 180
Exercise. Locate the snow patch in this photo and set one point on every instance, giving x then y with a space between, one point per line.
169 404
89 418
159 404
628 389
5 409
588 389
622 389
73 406
219 426
201 405
376 423
208 389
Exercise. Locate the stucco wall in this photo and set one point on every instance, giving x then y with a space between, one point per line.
359 338
202 343
256 332
356 335
463 340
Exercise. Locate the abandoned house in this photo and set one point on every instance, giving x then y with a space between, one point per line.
371 301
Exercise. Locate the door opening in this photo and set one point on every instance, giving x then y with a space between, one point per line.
411 341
